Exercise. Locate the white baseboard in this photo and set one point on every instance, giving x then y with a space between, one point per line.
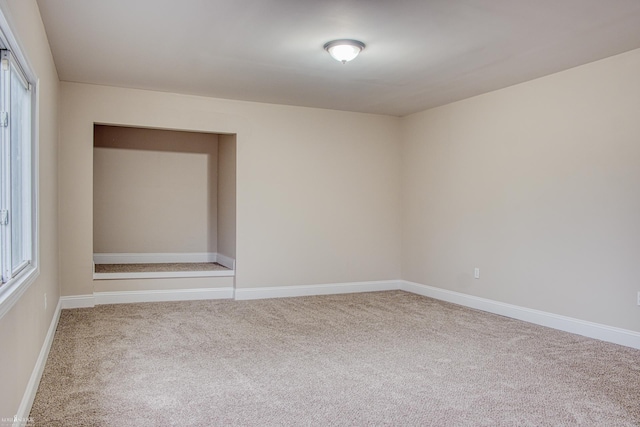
310 290
77 301
568 324
153 258
162 295
226 261
581 327
22 417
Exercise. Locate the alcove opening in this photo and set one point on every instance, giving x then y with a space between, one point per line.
164 203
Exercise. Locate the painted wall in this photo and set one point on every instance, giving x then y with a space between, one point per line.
538 186
154 191
317 190
227 195
24 327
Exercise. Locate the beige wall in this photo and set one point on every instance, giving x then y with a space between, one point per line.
154 191
23 329
317 190
227 195
538 186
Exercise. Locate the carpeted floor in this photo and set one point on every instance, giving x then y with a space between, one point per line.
385 358
159 267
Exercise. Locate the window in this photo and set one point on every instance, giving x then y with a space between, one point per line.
17 175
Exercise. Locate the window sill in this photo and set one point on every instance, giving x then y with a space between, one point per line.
11 291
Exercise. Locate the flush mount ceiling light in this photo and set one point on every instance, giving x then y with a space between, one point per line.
344 50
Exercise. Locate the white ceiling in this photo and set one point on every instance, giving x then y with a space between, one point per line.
419 54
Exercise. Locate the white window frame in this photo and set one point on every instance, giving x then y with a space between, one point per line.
19 282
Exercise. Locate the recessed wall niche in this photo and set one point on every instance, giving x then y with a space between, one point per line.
163 203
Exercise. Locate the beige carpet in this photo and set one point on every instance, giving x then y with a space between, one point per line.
387 358
157 267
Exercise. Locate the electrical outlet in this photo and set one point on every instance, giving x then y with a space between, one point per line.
476 273
45 301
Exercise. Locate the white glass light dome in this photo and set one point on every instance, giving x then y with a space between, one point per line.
344 50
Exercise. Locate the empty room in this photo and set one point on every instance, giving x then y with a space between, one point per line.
276 212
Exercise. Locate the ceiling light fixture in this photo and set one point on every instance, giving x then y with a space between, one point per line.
344 50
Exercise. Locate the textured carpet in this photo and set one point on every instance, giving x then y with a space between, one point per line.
157 267
386 358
